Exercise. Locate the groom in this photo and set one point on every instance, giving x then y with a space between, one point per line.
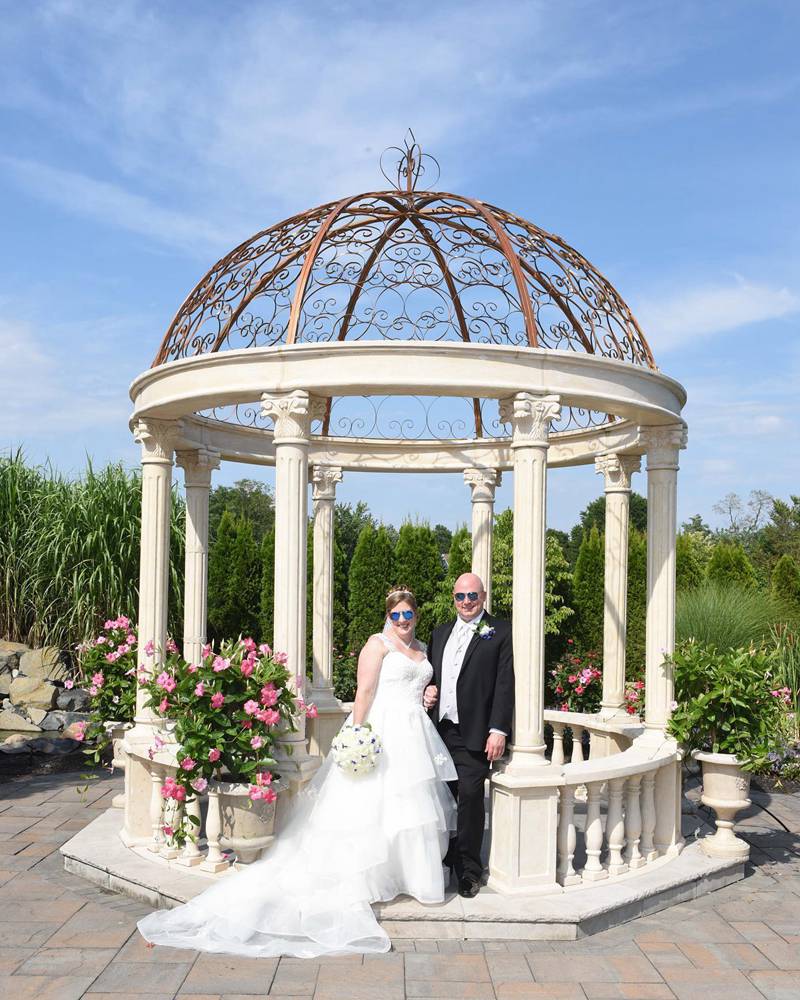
473 684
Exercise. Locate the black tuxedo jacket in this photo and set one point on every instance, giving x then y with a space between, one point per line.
485 688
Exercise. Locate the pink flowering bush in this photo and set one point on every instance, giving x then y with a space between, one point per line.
634 697
575 683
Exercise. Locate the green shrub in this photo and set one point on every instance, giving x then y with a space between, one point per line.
635 640
345 673
785 583
730 567
725 617
371 577
588 591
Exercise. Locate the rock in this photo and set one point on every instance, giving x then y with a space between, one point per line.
33 691
76 700
9 719
5 683
62 720
36 716
9 660
13 647
46 664
17 743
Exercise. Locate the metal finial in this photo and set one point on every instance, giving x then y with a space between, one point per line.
411 164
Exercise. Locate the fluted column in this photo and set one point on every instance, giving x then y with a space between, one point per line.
197 467
330 716
616 471
483 483
663 445
292 413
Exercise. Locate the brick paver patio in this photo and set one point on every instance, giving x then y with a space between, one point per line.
61 938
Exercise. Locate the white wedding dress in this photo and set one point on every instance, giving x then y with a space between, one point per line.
346 842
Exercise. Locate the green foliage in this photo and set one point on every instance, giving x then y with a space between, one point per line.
724 703
459 561
725 618
345 675
444 538
575 682
339 597
588 589
787 674
503 564
557 599
418 565
234 578
785 583
636 617
371 576
693 551
594 516
69 551
247 499
729 566
266 616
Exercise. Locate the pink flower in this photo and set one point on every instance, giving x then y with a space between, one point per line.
256 743
112 657
220 664
281 658
199 785
268 716
80 731
217 700
110 623
100 640
264 778
166 681
191 668
254 793
570 642
572 678
200 689
93 689
187 764
580 689
69 684
564 707
559 689
248 724
123 622
269 695
213 756
179 794
251 707
149 647
167 830
264 649
312 711
246 667
163 705
206 650
249 644
168 788
130 638
171 647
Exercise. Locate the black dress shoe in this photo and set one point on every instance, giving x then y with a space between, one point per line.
468 887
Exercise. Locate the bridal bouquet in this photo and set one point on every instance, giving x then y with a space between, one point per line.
356 749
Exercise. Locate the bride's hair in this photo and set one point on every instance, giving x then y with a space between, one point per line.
397 595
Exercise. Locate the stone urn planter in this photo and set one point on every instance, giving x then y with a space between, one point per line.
246 828
116 733
725 789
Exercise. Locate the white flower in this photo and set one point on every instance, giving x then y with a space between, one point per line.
355 749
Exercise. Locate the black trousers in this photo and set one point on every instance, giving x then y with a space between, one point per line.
473 770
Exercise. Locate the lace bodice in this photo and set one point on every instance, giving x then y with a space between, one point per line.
402 678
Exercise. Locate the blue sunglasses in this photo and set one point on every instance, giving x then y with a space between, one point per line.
395 615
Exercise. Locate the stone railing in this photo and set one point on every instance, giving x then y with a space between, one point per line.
605 737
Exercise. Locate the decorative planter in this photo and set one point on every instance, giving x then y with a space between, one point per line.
247 828
725 788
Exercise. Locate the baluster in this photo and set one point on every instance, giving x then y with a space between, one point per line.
577 745
191 854
156 807
615 827
566 837
558 743
173 817
633 822
594 870
215 860
649 853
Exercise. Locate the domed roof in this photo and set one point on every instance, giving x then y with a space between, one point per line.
404 264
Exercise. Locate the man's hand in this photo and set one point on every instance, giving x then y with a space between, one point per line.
429 697
495 746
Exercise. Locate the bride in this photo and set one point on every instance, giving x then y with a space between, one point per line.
347 841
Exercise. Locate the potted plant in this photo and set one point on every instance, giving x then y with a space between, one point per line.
227 712
726 716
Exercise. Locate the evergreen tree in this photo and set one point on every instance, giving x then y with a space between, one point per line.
418 565
371 577
339 599
785 583
588 591
444 538
594 515
729 566
558 612
688 565
220 596
246 582
246 498
637 605
267 603
503 564
459 560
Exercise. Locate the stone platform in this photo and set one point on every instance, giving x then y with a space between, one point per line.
97 854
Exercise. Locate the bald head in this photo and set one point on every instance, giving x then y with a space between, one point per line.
469 596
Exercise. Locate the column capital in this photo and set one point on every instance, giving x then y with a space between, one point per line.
157 438
198 464
617 470
324 479
530 416
663 444
483 483
292 413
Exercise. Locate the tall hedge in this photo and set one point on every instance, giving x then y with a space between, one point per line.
267 599
785 583
234 578
459 560
637 605
730 567
588 590
689 572
371 576
418 565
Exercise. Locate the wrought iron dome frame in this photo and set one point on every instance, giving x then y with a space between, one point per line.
407 265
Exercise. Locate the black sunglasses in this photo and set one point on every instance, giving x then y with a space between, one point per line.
395 615
472 595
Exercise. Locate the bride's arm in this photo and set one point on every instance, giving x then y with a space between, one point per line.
369 668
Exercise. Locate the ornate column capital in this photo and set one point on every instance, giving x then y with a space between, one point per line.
617 470
198 464
530 415
663 444
292 413
483 483
324 479
157 438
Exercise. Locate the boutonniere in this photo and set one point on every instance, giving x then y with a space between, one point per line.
483 630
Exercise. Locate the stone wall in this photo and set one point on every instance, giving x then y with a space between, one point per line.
34 697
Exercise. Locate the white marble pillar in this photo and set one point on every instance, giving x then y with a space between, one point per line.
483 483
330 713
616 471
524 799
292 413
156 438
663 445
197 467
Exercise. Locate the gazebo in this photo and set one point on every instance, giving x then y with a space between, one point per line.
411 330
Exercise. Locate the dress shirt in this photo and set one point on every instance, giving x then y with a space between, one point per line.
452 659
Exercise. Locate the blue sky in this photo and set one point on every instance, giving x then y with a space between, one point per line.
140 141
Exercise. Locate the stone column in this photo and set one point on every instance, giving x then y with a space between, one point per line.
483 483
292 413
616 471
663 445
156 438
197 467
524 794
330 713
